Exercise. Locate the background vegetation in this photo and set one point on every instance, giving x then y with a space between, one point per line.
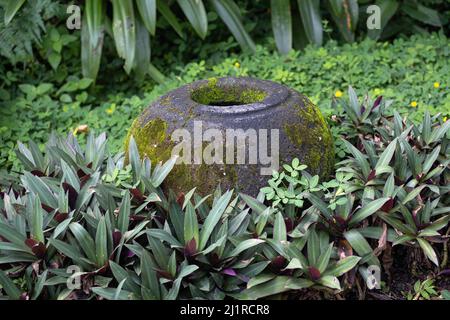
414 73
74 200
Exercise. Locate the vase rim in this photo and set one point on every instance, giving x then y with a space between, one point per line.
274 94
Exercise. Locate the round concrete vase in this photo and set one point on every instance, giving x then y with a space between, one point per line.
233 132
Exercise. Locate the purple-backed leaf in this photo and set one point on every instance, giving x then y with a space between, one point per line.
229 272
278 262
129 253
244 278
191 248
84 179
314 273
289 224
137 195
164 274
24 296
372 175
341 221
214 259
445 272
363 109
60 217
38 248
80 173
46 208
161 219
30 243
138 218
37 173
388 205
377 103
180 199
117 236
73 194
103 269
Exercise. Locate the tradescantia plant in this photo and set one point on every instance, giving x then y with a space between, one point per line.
391 189
108 216
290 269
66 211
300 22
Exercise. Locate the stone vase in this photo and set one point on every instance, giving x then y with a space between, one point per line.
259 125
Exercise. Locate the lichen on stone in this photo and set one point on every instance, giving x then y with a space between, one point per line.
314 135
306 134
150 139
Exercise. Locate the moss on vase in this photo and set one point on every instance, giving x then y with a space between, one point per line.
211 94
153 141
313 133
305 132
150 140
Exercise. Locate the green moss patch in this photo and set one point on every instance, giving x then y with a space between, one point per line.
314 135
214 94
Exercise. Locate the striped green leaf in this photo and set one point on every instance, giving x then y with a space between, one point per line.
147 10
229 13
196 14
312 21
92 34
282 24
11 8
124 31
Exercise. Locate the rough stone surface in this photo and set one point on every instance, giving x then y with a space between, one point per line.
234 103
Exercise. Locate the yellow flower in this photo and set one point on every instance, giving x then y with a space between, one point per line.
377 91
237 65
436 85
111 109
445 119
414 104
338 94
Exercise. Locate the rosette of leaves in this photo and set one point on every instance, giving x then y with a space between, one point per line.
215 239
360 116
306 262
66 210
405 169
158 277
287 235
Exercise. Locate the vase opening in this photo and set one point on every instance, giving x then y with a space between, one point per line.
222 94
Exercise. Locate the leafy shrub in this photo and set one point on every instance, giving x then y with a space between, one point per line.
133 240
132 25
65 212
405 71
19 36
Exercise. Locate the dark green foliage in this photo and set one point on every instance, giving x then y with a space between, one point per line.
84 207
404 71
133 27
25 32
